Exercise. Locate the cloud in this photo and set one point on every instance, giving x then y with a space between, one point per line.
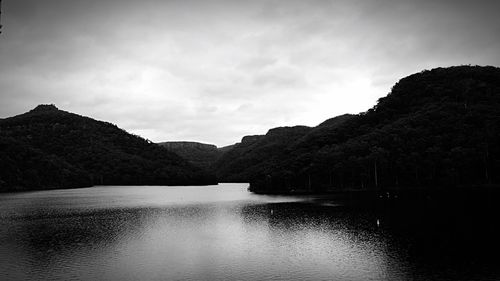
214 71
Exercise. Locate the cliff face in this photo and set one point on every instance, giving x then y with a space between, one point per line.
80 151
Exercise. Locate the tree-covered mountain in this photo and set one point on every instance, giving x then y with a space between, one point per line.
199 154
23 167
436 129
50 148
257 154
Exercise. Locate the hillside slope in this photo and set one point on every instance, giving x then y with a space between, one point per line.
92 152
255 154
199 154
436 129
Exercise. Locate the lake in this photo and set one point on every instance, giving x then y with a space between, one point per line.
226 233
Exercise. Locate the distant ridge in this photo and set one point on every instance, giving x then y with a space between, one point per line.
187 144
256 153
199 154
50 148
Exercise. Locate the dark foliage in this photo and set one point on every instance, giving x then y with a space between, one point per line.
199 154
256 154
23 167
81 151
436 129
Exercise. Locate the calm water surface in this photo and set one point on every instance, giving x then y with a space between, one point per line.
226 233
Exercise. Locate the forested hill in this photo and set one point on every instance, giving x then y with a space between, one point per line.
436 129
257 154
50 148
199 154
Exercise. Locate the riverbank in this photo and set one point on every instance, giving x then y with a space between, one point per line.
486 195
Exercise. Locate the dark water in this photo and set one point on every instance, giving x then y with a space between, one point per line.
225 233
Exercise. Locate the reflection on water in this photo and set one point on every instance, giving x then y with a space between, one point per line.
224 232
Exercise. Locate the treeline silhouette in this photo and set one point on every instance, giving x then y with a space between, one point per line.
50 148
257 154
199 154
436 129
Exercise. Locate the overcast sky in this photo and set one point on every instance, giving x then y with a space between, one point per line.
214 71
